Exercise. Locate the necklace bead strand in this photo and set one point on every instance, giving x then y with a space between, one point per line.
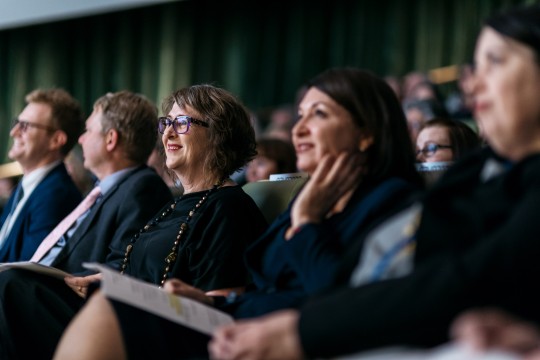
171 258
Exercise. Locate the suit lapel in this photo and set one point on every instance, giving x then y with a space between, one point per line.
84 227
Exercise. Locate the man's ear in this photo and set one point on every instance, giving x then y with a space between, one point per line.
111 139
58 139
366 140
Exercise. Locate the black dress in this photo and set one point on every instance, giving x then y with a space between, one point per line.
210 257
210 253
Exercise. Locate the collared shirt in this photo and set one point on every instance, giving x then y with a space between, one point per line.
106 184
28 182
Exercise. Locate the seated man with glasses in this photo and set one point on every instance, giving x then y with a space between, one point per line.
43 134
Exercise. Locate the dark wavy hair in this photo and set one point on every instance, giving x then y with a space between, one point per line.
374 107
521 23
231 133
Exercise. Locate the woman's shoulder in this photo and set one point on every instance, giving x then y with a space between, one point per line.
234 192
386 190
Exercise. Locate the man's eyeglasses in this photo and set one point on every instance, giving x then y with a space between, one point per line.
23 125
180 124
431 148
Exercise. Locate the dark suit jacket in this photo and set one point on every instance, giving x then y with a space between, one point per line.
50 202
101 237
477 245
123 211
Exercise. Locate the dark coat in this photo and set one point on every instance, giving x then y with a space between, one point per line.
477 245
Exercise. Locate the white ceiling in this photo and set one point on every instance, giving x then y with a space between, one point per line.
16 13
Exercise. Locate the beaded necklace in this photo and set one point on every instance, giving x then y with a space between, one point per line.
171 258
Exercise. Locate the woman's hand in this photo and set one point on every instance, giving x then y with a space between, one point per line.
487 329
79 284
270 337
334 178
178 287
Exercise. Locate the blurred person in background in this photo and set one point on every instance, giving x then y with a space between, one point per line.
83 178
282 120
274 156
418 112
441 142
445 140
7 185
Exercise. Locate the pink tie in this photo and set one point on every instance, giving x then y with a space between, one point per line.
65 224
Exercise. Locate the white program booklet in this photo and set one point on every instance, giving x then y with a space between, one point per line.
151 298
35 267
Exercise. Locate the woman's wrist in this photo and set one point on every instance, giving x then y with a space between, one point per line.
293 230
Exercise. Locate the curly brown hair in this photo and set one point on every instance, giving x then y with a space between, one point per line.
231 132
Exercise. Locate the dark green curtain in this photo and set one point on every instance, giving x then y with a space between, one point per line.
260 50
